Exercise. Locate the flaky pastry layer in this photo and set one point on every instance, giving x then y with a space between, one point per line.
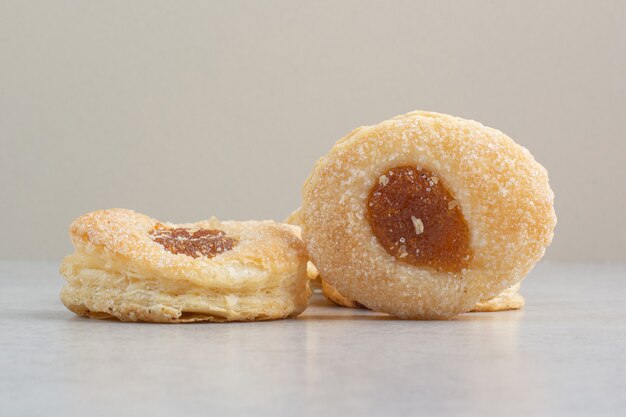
509 299
118 271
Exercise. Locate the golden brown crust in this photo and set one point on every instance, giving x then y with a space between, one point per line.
333 295
118 271
502 191
293 221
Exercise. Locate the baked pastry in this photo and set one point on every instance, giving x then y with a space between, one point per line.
134 268
509 299
293 221
424 215
334 296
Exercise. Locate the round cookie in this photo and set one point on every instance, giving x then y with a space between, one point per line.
134 268
424 215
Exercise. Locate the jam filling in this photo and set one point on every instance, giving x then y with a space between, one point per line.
416 219
202 242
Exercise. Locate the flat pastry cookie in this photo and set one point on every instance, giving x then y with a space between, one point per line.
509 299
134 268
424 215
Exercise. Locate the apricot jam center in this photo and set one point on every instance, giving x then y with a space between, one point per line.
416 219
202 242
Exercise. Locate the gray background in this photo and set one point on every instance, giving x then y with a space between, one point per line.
183 110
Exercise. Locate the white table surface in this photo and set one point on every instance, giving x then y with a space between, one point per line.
564 354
